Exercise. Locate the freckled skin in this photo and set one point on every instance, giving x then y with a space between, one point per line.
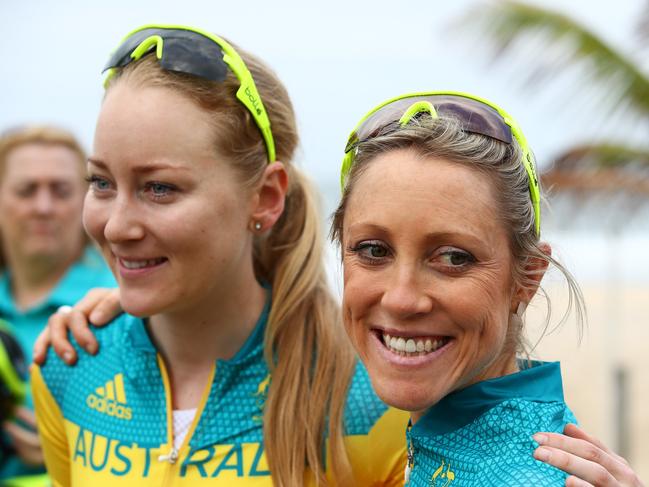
416 211
148 135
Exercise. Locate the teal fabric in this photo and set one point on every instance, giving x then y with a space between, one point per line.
481 436
88 272
232 415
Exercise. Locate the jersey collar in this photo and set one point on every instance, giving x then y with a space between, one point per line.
536 381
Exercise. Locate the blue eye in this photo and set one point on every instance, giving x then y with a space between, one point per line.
159 190
98 183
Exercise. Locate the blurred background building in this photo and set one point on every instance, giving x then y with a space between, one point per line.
574 74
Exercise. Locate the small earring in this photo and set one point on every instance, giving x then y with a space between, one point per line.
257 226
516 319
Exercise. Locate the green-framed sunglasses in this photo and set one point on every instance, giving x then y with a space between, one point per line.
475 114
193 51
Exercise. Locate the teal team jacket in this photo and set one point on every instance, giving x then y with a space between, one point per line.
481 436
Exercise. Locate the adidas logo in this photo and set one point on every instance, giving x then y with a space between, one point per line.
111 399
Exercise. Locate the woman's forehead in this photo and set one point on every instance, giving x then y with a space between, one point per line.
407 195
405 178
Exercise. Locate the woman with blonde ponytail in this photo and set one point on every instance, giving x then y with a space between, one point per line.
230 365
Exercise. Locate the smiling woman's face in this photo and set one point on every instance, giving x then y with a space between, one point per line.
428 279
169 214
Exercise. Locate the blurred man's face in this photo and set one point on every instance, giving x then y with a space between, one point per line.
41 198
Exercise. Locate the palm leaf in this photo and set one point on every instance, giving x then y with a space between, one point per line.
603 155
601 168
561 43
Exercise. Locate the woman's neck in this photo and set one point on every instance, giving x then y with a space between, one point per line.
505 364
191 340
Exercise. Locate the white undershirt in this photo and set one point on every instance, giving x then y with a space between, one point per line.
182 422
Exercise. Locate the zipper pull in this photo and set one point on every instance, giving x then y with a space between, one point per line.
406 474
172 457
411 458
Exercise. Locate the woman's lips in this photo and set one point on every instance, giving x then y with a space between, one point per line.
134 267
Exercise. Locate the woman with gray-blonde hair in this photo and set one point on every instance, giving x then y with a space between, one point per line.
439 227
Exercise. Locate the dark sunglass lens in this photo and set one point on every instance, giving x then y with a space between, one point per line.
201 57
473 115
476 117
122 55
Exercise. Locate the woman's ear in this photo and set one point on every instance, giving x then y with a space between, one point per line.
269 198
531 280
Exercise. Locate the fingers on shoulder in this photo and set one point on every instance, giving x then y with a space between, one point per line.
585 466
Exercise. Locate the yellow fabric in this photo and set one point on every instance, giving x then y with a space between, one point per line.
84 458
51 429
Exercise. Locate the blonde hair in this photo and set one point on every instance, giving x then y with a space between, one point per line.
47 135
310 359
501 163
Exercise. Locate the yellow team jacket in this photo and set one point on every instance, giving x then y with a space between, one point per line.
107 421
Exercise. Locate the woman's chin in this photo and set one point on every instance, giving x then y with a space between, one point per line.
138 307
405 395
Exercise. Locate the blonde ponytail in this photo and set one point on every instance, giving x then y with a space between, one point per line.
313 360
307 352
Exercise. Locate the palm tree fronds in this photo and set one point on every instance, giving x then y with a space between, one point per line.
561 42
603 155
604 167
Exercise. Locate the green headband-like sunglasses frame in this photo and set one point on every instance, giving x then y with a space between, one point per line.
247 93
422 105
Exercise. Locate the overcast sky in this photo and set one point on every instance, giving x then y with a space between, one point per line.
338 60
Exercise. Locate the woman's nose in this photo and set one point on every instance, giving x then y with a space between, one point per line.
123 222
405 295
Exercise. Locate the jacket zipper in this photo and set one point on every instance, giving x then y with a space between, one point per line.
411 458
174 454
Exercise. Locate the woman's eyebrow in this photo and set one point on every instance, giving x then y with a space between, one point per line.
144 168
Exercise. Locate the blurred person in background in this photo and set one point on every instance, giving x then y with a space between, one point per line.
45 258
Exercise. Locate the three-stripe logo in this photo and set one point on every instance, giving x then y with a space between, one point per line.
110 399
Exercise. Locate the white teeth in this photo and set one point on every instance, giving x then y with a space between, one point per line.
403 346
139 264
